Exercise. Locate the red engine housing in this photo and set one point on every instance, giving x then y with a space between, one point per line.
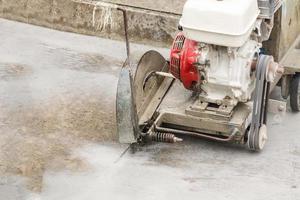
183 60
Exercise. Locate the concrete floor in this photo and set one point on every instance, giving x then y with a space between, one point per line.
57 131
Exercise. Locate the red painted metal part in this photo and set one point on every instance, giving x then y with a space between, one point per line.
183 58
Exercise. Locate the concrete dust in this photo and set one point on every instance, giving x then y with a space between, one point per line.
56 94
29 156
164 154
93 63
43 136
11 70
81 61
85 117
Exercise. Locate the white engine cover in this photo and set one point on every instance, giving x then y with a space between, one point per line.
229 73
220 22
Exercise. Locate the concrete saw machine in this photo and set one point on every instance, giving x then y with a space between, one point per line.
215 83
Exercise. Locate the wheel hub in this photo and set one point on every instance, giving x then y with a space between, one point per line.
263 136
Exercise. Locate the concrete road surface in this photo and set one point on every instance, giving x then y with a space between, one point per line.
57 133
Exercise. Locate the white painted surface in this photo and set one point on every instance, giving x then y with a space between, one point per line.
225 23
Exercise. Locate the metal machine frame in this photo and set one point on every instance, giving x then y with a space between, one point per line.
158 117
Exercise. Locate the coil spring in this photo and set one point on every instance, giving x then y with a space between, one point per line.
164 137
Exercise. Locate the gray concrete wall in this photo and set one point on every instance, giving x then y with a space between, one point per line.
171 6
145 26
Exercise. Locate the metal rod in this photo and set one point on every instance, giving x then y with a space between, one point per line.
165 74
176 131
126 34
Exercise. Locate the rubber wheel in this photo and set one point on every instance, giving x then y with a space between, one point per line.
295 93
258 142
263 137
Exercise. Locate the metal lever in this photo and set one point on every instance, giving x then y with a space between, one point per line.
126 36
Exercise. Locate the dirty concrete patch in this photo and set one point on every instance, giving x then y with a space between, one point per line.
162 154
59 98
86 62
13 70
296 152
29 156
174 155
42 137
93 62
87 118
